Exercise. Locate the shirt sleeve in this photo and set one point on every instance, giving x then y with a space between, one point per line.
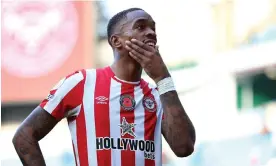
65 99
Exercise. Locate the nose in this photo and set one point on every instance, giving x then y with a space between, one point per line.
150 33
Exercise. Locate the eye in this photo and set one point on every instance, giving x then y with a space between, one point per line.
141 27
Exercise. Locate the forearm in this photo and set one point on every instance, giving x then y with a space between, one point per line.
177 127
38 124
28 150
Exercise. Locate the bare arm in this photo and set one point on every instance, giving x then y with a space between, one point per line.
38 124
177 127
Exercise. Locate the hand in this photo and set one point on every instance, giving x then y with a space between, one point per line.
149 58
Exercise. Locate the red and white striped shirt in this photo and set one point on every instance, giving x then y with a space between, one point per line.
112 122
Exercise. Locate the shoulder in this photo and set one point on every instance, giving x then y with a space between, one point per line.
153 89
73 78
151 86
80 74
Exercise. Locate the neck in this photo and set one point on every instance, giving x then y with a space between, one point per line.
126 68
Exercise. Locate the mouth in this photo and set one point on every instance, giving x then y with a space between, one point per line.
151 43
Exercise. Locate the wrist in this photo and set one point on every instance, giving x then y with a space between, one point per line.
161 78
165 85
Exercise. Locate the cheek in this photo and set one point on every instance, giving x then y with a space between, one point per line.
138 35
129 35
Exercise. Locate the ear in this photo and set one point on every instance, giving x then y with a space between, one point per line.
116 41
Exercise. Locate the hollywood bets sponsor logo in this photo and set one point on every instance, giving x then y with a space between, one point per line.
148 147
37 36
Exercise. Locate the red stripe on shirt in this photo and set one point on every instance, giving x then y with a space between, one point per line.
81 131
150 118
127 90
102 119
81 138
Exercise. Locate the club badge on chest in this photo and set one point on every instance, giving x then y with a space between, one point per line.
149 104
127 103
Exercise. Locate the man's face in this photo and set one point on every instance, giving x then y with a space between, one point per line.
138 25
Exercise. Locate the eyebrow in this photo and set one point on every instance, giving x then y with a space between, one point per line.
143 20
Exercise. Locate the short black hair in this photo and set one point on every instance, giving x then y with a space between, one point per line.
116 19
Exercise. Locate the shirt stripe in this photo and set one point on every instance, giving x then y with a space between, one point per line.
150 118
88 102
139 121
127 156
81 132
115 119
102 120
157 132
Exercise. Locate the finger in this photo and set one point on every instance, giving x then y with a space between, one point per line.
135 57
137 54
141 44
137 48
